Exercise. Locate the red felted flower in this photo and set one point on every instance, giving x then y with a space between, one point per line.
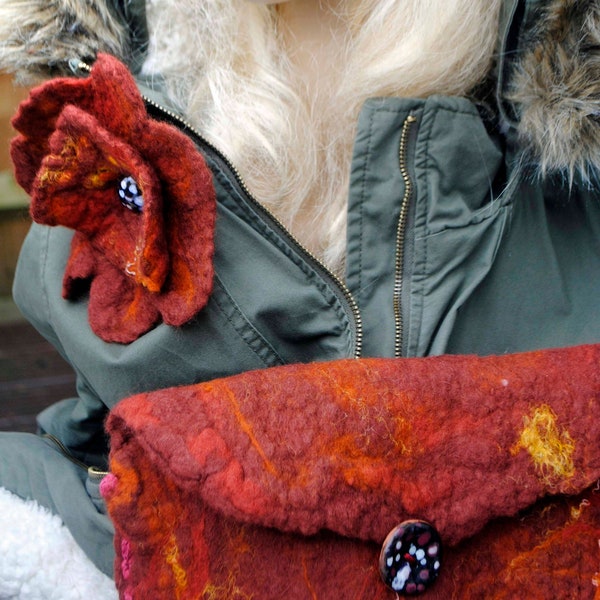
136 191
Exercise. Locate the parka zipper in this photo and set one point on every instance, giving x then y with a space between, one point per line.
401 234
93 472
226 165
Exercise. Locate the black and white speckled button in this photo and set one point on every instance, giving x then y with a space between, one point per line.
411 558
130 195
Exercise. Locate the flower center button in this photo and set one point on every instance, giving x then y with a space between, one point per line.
130 195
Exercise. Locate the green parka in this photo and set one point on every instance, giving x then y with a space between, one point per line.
456 244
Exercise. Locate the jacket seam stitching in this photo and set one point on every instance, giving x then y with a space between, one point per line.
478 215
44 265
363 188
259 337
427 168
436 108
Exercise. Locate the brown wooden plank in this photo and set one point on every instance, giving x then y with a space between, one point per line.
32 376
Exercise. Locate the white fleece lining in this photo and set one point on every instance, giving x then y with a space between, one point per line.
39 559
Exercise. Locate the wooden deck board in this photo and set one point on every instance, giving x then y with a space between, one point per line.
32 376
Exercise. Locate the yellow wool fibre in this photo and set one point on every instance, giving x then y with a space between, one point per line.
550 448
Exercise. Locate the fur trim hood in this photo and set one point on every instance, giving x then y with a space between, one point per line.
549 64
555 89
39 37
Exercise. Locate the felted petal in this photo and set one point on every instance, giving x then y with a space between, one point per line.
77 187
37 115
190 215
119 310
81 266
36 120
118 104
26 161
109 93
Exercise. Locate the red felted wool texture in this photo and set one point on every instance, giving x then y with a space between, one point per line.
78 140
283 483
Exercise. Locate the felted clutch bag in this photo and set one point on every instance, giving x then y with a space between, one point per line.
452 476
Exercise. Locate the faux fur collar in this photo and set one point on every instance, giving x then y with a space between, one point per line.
552 80
555 88
38 38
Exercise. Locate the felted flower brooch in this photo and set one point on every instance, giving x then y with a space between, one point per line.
136 191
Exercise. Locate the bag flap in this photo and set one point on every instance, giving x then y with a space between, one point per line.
357 446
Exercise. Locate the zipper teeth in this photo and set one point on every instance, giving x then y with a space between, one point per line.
94 473
400 235
340 284
65 451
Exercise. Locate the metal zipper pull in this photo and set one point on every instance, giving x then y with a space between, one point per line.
97 474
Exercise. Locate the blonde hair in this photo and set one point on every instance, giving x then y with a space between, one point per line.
226 66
